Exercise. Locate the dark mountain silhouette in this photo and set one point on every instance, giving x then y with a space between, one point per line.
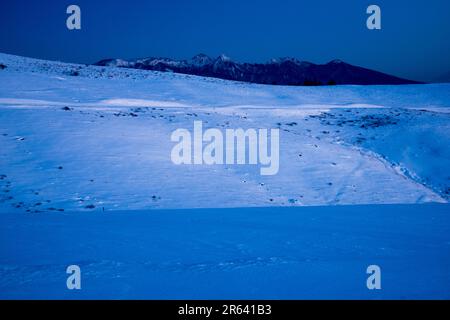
284 71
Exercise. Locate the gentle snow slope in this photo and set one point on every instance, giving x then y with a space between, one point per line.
253 253
111 148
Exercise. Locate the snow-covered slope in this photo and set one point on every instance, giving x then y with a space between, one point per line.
90 138
252 253
94 142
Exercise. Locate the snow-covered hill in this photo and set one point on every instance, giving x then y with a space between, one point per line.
72 134
85 170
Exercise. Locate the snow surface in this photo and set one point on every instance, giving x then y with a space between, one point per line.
115 131
252 253
86 150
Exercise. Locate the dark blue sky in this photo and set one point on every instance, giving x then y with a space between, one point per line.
414 41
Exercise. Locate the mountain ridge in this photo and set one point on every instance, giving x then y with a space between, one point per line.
278 71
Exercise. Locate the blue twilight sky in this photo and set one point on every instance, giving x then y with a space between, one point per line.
414 41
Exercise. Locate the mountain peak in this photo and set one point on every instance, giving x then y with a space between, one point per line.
200 56
285 59
223 57
336 61
291 60
200 59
